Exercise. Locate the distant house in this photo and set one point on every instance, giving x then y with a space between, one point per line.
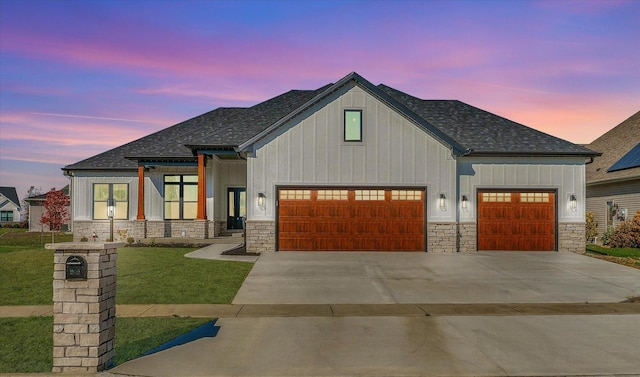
9 205
347 166
613 179
36 210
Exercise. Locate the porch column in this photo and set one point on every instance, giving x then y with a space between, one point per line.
202 189
141 192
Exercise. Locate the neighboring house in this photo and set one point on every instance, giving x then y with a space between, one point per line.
9 205
613 179
36 210
349 166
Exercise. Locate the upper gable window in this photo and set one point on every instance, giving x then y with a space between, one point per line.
353 125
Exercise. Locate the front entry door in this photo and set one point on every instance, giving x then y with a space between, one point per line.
237 207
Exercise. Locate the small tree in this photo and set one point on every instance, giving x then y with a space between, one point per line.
56 211
592 226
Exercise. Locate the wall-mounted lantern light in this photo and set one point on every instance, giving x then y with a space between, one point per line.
261 199
465 203
443 202
111 211
573 202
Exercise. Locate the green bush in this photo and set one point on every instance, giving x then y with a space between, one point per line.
627 233
592 226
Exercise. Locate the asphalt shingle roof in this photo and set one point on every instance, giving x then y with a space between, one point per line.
477 130
11 194
481 131
614 145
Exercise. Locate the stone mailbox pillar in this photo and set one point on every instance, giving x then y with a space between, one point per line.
84 305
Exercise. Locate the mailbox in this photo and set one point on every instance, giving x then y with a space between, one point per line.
76 268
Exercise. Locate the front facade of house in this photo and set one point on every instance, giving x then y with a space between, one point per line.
613 180
350 166
9 205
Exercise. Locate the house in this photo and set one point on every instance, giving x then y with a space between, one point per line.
36 210
348 166
613 179
9 205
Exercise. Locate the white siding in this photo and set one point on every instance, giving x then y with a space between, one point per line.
222 175
82 191
566 175
311 152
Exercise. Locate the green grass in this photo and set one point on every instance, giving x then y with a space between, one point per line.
615 252
154 275
146 275
26 344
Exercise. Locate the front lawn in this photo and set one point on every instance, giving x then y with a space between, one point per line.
626 256
146 275
26 344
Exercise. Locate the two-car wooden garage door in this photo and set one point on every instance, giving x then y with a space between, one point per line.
516 221
346 219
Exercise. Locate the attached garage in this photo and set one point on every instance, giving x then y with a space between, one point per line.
516 221
351 219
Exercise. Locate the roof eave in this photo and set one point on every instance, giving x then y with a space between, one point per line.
473 153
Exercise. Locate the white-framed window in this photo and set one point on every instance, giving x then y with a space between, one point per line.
6 215
102 192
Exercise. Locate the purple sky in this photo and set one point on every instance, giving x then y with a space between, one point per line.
81 77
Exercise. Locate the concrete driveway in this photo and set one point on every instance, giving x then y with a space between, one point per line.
485 277
395 345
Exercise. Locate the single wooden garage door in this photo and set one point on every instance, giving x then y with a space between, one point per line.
516 221
351 219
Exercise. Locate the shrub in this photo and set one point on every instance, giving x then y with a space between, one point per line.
130 240
607 235
592 226
627 234
84 239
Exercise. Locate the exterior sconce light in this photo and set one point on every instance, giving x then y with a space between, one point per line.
465 203
261 199
111 211
573 202
443 202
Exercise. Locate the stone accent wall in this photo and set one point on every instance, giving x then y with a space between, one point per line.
468 237
571 237
84 311
441 237
122 229
214 228
139 229
261 236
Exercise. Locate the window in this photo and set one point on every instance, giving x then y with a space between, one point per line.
332 194
102 192
496 196
180 197
353 125
534 197
406 195
369 194
295 194
6 215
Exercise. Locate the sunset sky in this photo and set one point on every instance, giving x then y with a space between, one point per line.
81 77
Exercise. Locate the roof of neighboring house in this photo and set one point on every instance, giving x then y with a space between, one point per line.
43 197
11 194
620 153
467 129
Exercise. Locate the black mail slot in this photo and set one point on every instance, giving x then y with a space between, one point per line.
76 268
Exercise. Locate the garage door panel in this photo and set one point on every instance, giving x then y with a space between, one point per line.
516 221
354 219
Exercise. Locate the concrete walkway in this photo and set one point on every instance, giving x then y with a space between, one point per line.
215 251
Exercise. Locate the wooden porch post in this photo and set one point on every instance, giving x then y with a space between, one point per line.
140 192
202 189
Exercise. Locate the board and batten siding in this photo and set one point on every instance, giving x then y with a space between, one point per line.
312 152
566 175
222 175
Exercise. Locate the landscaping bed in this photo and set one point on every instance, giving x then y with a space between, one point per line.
625 256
